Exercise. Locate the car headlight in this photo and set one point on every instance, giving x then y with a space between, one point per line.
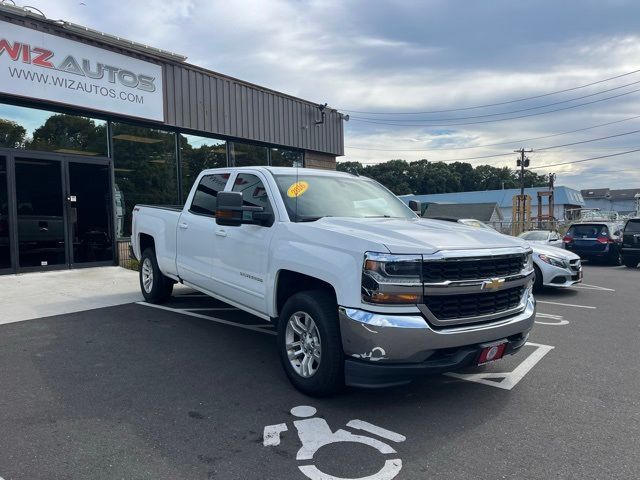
555 261
392 279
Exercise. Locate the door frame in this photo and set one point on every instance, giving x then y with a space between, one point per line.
10 155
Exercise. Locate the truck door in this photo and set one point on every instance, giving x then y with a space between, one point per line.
241 253
196 232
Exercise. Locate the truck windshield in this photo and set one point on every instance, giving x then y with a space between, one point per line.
310 197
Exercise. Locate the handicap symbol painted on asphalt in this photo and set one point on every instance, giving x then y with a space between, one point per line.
315 433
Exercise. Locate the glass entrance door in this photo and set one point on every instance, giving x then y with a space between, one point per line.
56 211
40 213
89 210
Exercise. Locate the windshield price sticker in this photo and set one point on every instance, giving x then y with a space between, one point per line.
297 189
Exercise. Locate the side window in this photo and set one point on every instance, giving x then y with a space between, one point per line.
254 194
204 201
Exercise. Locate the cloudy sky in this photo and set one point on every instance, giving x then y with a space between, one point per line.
389 59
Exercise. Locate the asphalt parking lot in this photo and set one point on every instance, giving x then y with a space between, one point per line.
139 392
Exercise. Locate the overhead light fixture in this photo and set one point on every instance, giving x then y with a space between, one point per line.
135 138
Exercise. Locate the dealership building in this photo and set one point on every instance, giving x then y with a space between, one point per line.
91 124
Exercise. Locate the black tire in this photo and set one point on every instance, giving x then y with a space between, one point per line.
160 288
321 306
537 279
630 262
616 259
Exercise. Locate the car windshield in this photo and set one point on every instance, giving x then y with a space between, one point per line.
534 235
633 226
309 197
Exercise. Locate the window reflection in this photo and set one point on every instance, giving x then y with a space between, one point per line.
32 129
245 155
144 162
197 154
281 157
5 252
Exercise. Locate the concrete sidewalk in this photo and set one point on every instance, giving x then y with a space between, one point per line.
43 294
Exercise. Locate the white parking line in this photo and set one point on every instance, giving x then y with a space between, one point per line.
205 317
586 286
566 304
211 308
507 380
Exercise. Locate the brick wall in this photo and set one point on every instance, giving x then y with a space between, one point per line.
319 160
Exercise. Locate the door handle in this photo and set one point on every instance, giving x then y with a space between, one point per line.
221 233
183 225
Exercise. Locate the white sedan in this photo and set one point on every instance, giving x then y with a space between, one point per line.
544 237
555 267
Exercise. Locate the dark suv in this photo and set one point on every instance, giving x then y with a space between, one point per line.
631 243
595 241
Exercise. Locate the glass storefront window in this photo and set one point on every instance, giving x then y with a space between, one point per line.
5 251
32 129
281 157
197 154
144 164
246 155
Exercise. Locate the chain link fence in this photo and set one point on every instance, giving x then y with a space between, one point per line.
125 258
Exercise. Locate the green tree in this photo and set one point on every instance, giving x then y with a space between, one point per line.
12 134
72 133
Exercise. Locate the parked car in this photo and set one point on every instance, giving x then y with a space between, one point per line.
554 267
595 241
631 243
543 237
363 291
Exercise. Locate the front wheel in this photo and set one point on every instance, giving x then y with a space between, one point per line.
309 342
156 288
537 279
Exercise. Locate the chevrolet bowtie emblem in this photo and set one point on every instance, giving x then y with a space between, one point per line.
493 284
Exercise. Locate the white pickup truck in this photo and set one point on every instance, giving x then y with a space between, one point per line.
363 291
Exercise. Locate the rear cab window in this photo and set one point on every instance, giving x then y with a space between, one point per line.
205 198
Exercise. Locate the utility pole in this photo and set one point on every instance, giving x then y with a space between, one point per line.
521 202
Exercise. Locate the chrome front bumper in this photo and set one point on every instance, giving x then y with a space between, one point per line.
386 338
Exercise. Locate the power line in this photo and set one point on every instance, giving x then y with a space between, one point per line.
495 104
498 119
586 159
495 144
501 113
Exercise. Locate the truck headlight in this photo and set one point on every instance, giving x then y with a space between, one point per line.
528 263
555 261
392 279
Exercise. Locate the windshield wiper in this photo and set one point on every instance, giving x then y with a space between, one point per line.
380 216
308 219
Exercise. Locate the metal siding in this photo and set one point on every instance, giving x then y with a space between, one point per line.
170 101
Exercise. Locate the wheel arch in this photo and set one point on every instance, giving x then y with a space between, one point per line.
290 282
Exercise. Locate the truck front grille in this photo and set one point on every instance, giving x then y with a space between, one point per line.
449 307
439 271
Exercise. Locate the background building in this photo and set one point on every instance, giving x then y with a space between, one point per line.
624 202
485 212
91 125
567 201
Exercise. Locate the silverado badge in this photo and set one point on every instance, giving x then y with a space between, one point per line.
493 284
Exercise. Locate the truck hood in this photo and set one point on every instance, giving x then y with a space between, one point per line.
420 236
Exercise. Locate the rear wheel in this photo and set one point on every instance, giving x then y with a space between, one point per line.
616 259
630 262
156 288
309 343
537 279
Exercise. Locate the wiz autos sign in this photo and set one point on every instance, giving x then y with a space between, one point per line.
38 65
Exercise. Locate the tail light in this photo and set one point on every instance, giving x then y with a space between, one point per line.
605 240
567 239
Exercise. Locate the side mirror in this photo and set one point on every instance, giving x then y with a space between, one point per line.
415 206
229 209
